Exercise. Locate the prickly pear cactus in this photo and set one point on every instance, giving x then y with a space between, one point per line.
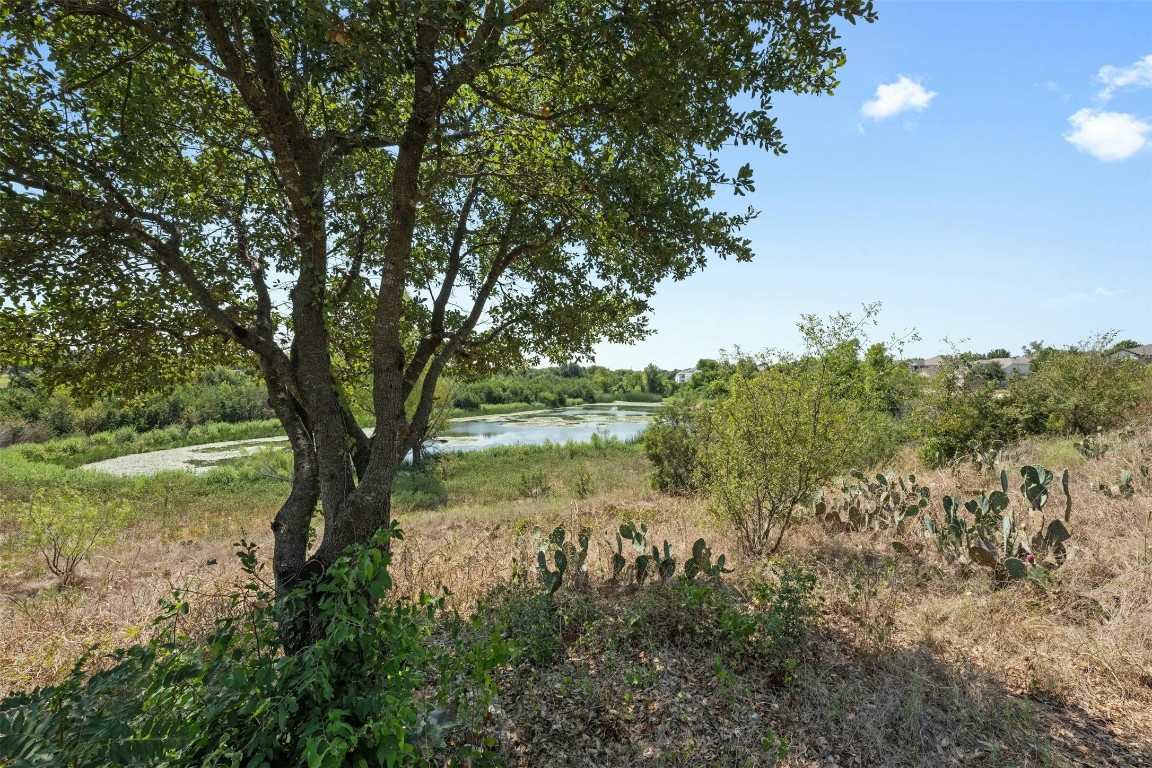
985 458
1037 480
666 563
552 579
985 531
1067 497
871 504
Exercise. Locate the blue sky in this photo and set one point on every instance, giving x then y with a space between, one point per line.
984 170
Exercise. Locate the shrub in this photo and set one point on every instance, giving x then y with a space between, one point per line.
786 607
34 432
8 433
670 443
66 526
59 416
529 621
466 401
1078 391
373 689
656 600
124 435
100 418
775 441
789 424
582 485
710 614
640 397
102 438
534 485
956 409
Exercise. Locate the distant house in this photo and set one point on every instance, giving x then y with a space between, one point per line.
1142 353
931 366
927 366
685 375
1010 365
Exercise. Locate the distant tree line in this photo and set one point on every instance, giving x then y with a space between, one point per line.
32 412
566 384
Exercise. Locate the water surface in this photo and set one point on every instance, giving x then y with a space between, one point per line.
579 423
558 425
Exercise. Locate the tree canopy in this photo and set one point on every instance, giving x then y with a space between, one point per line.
353 193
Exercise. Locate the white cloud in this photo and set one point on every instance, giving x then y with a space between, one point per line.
1108 136
1115 78
894 98
1081 297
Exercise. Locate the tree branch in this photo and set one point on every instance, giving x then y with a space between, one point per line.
435 335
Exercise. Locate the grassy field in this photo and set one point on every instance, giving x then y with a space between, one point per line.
911 663
71 452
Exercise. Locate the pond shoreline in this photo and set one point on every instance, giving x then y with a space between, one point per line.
621 420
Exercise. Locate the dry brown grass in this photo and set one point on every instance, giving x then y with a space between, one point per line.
916 663
45 629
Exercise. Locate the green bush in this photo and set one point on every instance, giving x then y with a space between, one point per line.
59 416
1078 391
640 397
955 409
374 688
670 443
775 441
786 607
529 621
710 614
124 435
534 485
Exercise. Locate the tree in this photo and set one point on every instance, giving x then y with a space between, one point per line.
654 379
1039 353
889 384
783 432
353 193
709 381
990 372
998 352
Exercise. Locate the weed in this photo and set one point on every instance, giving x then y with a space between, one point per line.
534 485
582 485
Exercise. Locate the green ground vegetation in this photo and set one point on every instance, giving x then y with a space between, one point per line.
568 384
34 411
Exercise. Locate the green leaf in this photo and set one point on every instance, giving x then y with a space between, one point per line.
1016 568
1056 533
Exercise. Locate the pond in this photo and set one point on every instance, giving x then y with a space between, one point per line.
622 421
558 425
